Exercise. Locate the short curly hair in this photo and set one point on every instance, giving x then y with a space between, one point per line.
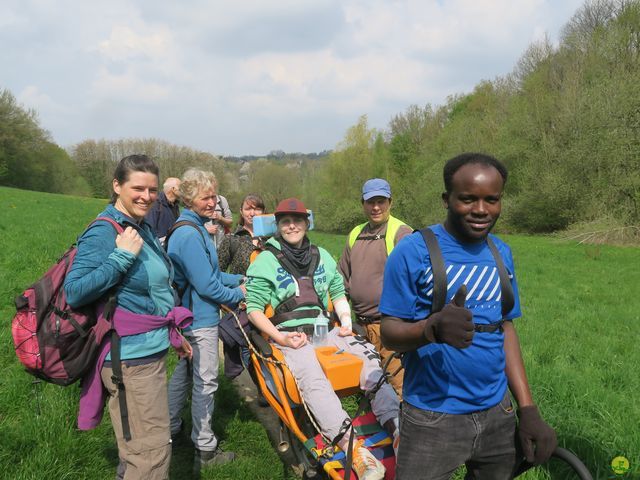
193 182
454 164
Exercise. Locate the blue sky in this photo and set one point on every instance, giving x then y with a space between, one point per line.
249 77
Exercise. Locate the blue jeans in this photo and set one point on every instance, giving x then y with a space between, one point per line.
434 444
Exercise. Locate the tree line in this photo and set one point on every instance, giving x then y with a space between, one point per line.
565 121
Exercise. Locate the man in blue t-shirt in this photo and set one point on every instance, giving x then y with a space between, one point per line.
461 361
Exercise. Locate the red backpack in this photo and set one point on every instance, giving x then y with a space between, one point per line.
54 341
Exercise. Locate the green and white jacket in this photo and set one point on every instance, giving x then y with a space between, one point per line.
270 284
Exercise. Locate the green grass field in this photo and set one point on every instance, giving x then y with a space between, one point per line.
579 337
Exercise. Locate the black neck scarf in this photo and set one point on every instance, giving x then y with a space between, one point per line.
300 257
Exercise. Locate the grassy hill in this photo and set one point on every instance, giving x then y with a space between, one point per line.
579 337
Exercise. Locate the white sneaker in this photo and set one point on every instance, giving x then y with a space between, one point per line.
366 466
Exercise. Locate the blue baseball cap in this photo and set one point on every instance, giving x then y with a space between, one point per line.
376 187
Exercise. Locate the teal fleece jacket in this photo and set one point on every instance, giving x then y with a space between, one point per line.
197 272
143 282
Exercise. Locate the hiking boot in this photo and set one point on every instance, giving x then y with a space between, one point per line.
205 458
366 466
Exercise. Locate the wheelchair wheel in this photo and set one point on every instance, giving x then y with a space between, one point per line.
572 467
574 462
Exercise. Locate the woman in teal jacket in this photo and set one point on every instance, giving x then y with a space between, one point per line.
136 266
205 288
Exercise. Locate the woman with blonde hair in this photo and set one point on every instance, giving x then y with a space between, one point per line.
204 288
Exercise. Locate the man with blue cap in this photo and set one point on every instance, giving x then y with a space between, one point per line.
363 260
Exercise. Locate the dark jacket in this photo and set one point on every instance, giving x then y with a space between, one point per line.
234 252
162 215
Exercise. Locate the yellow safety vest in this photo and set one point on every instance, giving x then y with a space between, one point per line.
393 224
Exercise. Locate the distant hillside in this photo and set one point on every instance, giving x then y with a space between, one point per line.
276 155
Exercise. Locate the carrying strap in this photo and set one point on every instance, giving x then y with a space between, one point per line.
437 269
440 279
116 370
505 284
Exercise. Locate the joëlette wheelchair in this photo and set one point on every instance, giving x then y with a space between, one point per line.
315 454
299 432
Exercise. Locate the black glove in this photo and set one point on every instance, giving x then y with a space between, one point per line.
532 430
453 324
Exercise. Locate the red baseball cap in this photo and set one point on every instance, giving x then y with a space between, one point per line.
290 206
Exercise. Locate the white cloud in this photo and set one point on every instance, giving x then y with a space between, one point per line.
127 86
124 44
214 73
32 97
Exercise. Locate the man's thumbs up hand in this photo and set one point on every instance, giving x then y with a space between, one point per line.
452 325
460 296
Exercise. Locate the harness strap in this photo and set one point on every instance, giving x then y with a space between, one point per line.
490 328
295 315
292 308
291 303
371 237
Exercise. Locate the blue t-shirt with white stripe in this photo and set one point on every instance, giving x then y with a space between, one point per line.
440 377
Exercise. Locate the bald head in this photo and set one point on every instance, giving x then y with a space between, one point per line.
170 188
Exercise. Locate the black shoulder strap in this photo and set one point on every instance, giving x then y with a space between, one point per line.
438 270
182 223
506 290
116 378
440 274
315 261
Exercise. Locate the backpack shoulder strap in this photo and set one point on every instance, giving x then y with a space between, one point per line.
115 224
179 224
438 270
506 289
